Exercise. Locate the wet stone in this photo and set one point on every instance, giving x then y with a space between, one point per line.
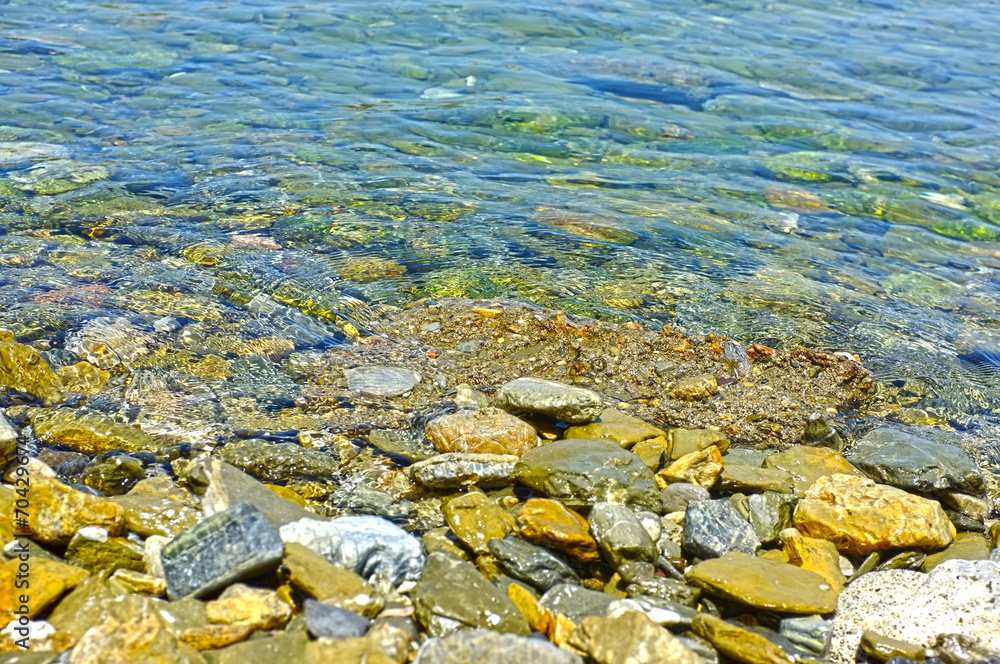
331 621
686 441
616 426
809 632
584 471
531 564
817 556
747 479
713 528
737 643
403 443
628 636
222 486
476 519
702 468
114 476
381 381
576 602
487 431
553 525
58 512
451 594
230 546
911 463
537 396
677 496
770 513
764 584
882 648
8 438
860 516
366 545
151 515
455 470
651 451
620 535
480 646
808 464
820 434
90 432
140 582
966 546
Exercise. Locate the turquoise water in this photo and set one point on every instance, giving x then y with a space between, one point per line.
790 173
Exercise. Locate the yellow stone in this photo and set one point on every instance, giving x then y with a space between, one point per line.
629 637
818 556
702 467
695 388
140 582
618 427
651 451
475 520
967 546
58 512
212 637
551 524
487 431
331 584
22 369
738 644
346 651
808 464
49 580
860 516
288 494
239 603
83 378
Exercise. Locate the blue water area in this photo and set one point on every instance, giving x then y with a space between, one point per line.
818 173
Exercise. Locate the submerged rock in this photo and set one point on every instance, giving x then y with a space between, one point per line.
381 381
537 396
618 427
22 369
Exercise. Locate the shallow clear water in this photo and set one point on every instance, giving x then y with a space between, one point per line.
820 173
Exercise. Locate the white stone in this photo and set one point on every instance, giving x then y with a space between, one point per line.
956 597
93 533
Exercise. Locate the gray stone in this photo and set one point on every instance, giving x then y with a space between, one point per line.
665 589
453 595
911 463
620 535
744 457
576 602
8 438
714 527
532 564
770 513
809 632
537 396
221 486
820 434
381 381
366 545
675 497
454 470
958 597
480 646
231 546
333 621
584 471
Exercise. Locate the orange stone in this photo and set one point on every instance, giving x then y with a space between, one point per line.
551 524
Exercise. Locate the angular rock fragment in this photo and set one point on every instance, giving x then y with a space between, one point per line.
455 470
553 525
620 535
714 527
531 564
230 546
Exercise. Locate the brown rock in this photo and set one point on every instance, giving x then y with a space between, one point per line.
48 580
736 643
764 584
695 388
58 512
702 468
618 427
686 441
808 464
555 526
860 516
818 556
629 637
475 520
240 603
488 431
